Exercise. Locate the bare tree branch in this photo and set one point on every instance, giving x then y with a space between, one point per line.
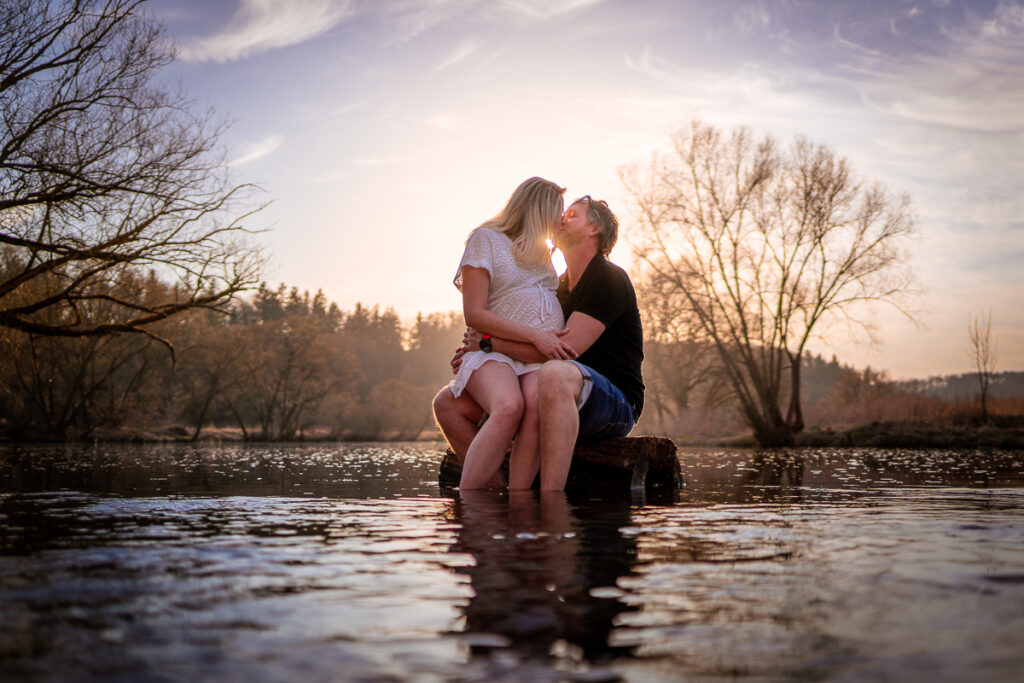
102 170
760 248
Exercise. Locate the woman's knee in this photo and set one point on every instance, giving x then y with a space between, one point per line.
507 408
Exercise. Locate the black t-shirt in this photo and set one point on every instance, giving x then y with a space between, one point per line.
605 293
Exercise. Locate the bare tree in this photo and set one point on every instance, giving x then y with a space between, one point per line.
287 369
102 169
677 361
760 248
68 387
983 352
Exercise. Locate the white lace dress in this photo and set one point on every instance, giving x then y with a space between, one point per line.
521 294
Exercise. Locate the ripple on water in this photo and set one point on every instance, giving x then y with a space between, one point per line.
330 562
869 585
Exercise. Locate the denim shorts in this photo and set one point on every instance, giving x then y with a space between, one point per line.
606 412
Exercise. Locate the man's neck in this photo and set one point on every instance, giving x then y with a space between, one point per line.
576 261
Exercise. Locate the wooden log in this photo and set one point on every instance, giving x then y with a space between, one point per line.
623 463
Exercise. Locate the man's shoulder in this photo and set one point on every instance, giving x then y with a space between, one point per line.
607 272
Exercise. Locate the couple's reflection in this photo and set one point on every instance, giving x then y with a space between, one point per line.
776 475
538 560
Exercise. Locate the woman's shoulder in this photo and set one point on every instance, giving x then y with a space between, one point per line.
495 240
486 233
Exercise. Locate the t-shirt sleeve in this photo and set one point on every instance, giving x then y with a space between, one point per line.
605 298
479 253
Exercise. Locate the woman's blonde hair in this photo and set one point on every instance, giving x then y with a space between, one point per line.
532 210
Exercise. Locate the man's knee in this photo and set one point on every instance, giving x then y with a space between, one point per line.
559 379
447 408
530 394
443 403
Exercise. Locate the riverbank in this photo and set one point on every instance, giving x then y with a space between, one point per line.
1003 432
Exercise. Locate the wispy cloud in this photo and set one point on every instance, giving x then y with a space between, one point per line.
353 106
385 161
545 9
261 25
331 178
446 121
257 150
410 18
752 17
459 54
974 81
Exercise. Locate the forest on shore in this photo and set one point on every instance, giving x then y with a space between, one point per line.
284 364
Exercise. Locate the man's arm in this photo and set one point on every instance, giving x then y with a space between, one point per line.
581 331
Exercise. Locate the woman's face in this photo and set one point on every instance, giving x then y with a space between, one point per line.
556 218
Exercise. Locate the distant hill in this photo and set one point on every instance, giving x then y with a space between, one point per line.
821 378
965 386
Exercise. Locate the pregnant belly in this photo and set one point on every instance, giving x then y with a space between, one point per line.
539 312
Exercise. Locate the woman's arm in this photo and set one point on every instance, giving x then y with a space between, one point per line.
475 285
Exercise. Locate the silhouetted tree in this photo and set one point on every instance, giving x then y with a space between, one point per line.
757 249
375 338
287 369
66 387
432 340
983 352
103 169
209 366
268 303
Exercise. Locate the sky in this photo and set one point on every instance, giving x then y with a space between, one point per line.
383 131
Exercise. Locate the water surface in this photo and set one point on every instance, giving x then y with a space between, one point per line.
348 562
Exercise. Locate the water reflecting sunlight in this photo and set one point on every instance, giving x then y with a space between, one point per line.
328 562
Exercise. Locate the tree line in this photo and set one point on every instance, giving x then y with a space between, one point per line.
280 365
284 364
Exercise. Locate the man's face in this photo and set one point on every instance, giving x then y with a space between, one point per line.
574 226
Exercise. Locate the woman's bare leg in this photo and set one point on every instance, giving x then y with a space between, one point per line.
458 420
525 460
495 388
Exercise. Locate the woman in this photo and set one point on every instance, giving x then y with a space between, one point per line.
508 290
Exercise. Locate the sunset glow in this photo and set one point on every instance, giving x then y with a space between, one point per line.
383 132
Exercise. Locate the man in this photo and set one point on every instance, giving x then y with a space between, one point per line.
601 393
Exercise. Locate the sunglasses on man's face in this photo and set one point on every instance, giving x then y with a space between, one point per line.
591 213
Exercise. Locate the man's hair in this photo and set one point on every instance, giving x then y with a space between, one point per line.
600 215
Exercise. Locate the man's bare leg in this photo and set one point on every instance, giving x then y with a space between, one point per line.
560 384
457 419
525 459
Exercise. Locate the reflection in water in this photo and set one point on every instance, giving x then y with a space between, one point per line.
347 562
545 572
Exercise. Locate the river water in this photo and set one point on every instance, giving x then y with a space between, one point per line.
347 562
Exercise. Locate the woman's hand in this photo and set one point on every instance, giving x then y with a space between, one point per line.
456 361
471 339
551 345
470 342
